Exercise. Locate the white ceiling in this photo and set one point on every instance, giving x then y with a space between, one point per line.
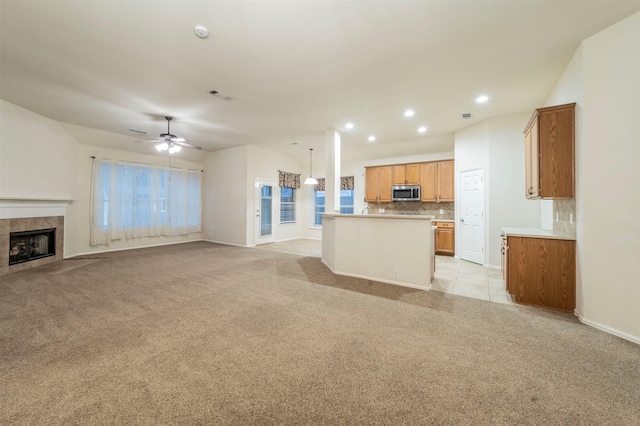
295 69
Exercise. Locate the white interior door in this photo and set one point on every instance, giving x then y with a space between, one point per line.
265 208
472 216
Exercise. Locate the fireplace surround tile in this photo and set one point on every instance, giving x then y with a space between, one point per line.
27 224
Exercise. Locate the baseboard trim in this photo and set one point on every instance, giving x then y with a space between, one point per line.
131 248
380 280
607 329
298 238
492 266
230 244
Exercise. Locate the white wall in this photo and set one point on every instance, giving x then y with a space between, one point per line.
265 164
225 196
507 205
604 78
37 156
497 146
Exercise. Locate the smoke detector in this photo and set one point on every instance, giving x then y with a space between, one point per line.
201 31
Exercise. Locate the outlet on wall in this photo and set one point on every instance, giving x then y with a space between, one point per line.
441 211
395 273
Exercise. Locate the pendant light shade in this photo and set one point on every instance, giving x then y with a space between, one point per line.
310 180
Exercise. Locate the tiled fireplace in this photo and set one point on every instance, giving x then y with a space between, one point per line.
29 242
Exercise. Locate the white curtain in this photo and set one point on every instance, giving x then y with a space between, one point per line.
131 200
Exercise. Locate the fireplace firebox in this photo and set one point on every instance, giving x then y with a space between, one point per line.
31 245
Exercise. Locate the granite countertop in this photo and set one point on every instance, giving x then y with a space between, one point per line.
443 220
535 233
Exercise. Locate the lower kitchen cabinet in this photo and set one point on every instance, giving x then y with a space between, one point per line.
445 238
541 271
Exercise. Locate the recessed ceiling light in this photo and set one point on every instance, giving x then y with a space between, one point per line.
349 125
368 109
422 129
409 113
482 99
371 138
201 31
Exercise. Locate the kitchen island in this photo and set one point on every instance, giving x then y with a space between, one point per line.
394 249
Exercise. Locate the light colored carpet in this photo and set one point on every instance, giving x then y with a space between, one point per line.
202 333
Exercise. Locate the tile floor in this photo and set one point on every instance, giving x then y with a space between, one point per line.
452 275
468 279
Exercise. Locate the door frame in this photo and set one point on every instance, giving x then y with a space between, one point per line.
461 218
258 238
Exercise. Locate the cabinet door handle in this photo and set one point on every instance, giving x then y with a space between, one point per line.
530 190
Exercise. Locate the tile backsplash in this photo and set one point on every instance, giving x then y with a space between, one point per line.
564 216
414 208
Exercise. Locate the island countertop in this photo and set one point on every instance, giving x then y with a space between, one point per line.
380 216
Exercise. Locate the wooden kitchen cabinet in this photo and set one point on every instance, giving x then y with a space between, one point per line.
503 262
550 153
407 174
445 238
378 181
541 271
437 181
445 181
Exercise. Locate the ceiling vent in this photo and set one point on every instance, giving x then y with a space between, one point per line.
139 132
465 115
222 96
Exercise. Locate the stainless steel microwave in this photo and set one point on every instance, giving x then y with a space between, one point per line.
405 193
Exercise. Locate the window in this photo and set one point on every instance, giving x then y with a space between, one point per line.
346 204
287 205
319 207
138 200
346 201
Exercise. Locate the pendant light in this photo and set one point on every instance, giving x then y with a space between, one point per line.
310 180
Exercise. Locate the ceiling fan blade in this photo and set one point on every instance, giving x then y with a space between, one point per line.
177 139
149 141
186 145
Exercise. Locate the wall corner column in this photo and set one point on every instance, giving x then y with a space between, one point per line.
332 171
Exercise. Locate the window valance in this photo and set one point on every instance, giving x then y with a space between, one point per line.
346 182
289 180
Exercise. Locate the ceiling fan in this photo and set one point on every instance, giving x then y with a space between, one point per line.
169 142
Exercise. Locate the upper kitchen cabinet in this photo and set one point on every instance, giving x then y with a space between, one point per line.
437 181
378 184
407 174
550 153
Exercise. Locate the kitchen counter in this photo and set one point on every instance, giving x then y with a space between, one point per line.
394 249
535 233
380 216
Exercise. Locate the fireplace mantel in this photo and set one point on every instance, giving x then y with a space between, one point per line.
25 207
49 199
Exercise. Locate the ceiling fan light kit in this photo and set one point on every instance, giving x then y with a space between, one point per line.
170 142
